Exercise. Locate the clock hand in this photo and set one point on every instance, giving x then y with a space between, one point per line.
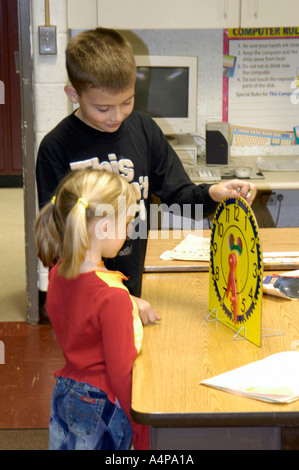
231 283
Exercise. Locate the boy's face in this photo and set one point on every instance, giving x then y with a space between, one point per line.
102 110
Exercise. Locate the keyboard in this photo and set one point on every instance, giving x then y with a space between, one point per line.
204 175
250 136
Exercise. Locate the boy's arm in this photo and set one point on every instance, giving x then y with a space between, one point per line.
171 183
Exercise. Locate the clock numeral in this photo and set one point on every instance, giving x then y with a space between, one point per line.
236 213
216 274
220 229
227 213
254 272
246 220
215 248
243 307
253 244
250 293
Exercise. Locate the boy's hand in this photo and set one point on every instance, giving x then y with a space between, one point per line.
146 312
233 188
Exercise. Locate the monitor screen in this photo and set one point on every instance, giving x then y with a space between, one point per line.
162 91
166 90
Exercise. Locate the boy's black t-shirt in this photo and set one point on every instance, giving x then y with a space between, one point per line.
138 150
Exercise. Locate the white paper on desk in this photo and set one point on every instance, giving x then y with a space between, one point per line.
274 379
192 248
281 257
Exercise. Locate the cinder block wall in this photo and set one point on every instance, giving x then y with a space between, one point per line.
50 102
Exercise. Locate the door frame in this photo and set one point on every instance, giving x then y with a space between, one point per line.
28 147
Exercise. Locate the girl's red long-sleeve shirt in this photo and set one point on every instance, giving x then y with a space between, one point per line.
100 333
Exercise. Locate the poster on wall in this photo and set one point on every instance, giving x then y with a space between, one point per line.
261 85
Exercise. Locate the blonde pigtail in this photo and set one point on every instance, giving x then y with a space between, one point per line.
47 238
76 240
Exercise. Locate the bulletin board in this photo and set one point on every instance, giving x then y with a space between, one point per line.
261 78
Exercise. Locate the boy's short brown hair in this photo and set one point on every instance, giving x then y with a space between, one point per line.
100 58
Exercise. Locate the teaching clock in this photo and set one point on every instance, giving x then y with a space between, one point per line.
236 269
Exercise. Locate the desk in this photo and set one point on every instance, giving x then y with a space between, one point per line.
277 180
277 239
184 349
274 180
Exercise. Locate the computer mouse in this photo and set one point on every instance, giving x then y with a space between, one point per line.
242 172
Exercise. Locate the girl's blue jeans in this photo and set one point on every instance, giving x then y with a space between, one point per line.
82 418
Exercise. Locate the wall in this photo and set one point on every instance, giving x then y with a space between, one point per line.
50 77
51 104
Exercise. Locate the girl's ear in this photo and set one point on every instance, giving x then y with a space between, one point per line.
101 229
71 93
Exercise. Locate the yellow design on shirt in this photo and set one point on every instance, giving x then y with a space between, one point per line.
115 279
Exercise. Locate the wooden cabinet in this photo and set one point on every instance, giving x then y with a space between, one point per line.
269 13
188 14
82 15
169 14
156 14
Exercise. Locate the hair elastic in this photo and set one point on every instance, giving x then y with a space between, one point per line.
53 200
83 201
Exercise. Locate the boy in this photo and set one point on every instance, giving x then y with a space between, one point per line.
105 132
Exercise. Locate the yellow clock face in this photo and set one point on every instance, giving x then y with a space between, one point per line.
236 265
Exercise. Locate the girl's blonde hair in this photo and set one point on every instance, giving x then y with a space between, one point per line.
61 228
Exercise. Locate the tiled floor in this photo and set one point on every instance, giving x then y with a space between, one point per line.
29 354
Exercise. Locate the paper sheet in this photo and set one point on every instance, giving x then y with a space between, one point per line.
274 379
192 248
195 248
281 257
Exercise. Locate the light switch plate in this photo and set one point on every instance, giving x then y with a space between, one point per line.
47 40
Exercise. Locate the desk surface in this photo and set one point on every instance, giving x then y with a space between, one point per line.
184 349
277 239
273 180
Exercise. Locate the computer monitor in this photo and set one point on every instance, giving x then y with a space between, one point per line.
166 89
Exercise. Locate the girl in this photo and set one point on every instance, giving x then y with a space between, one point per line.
94 317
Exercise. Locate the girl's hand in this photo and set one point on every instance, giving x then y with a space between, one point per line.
146 312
